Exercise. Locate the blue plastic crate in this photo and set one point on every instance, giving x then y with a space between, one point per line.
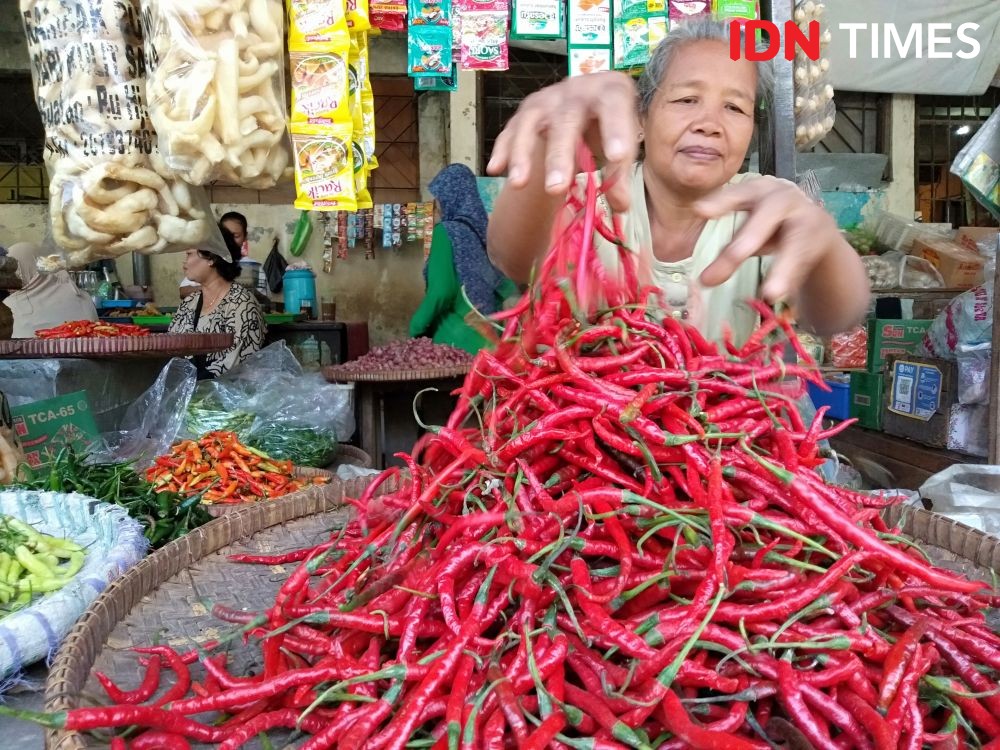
838 399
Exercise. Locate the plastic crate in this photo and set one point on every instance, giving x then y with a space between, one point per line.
838 399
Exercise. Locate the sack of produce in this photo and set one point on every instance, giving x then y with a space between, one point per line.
276 408
216 89
109 192
100 542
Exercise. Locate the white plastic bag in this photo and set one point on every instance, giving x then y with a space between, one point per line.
967 321
968 493
216 89
108 194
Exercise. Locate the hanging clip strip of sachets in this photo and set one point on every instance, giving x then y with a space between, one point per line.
387 225
428 228
321 123
589 36
484 42
328 242
369 232
341 235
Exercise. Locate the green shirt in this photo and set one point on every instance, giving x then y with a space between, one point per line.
442 314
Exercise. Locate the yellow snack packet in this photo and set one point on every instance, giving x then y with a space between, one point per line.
368 125
324 167
320 88
317 24
358 18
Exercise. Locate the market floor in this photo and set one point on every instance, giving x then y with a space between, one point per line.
22 734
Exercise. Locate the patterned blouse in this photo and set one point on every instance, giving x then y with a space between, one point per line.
238 313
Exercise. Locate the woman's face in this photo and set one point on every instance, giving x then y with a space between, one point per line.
700 122
237 229
197 268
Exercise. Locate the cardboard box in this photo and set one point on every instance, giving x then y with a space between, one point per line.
46 427
888 338
971 238
921 404
960 268
866 399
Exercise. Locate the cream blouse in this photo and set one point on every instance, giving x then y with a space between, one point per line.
708 308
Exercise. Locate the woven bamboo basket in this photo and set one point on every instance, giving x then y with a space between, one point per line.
163 597
163 594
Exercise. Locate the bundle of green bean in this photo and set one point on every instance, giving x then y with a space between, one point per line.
32 563
166 515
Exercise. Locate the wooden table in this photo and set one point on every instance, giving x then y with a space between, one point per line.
384 406
907 464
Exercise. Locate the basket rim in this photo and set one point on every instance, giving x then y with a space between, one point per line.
343 374
79 648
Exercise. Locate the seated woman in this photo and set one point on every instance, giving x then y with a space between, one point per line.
45 299
220 306
458 270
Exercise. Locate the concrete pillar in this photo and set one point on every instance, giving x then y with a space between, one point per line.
432 110
900 195
464 115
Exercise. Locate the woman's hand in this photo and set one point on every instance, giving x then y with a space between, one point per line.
812 263
599 108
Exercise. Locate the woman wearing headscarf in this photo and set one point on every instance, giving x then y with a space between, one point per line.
46 299
458 271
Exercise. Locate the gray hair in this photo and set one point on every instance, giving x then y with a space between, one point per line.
698 29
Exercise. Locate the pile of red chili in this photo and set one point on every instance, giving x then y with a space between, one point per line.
619 540
83 329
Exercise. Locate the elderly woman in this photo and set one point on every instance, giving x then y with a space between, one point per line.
220 306
706 234
45 299
458 271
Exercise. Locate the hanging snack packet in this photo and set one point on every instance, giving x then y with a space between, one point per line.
484 40
658 28
631 42
590 23
358 17
368 121
324 173
583 60
429 50
359 162
538 19
319 87
430 12
438 83
313 23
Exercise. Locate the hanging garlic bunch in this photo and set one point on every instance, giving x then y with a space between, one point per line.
814 108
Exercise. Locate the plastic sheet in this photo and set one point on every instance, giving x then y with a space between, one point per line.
109 194
153 422
216 89
114 543
267 391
